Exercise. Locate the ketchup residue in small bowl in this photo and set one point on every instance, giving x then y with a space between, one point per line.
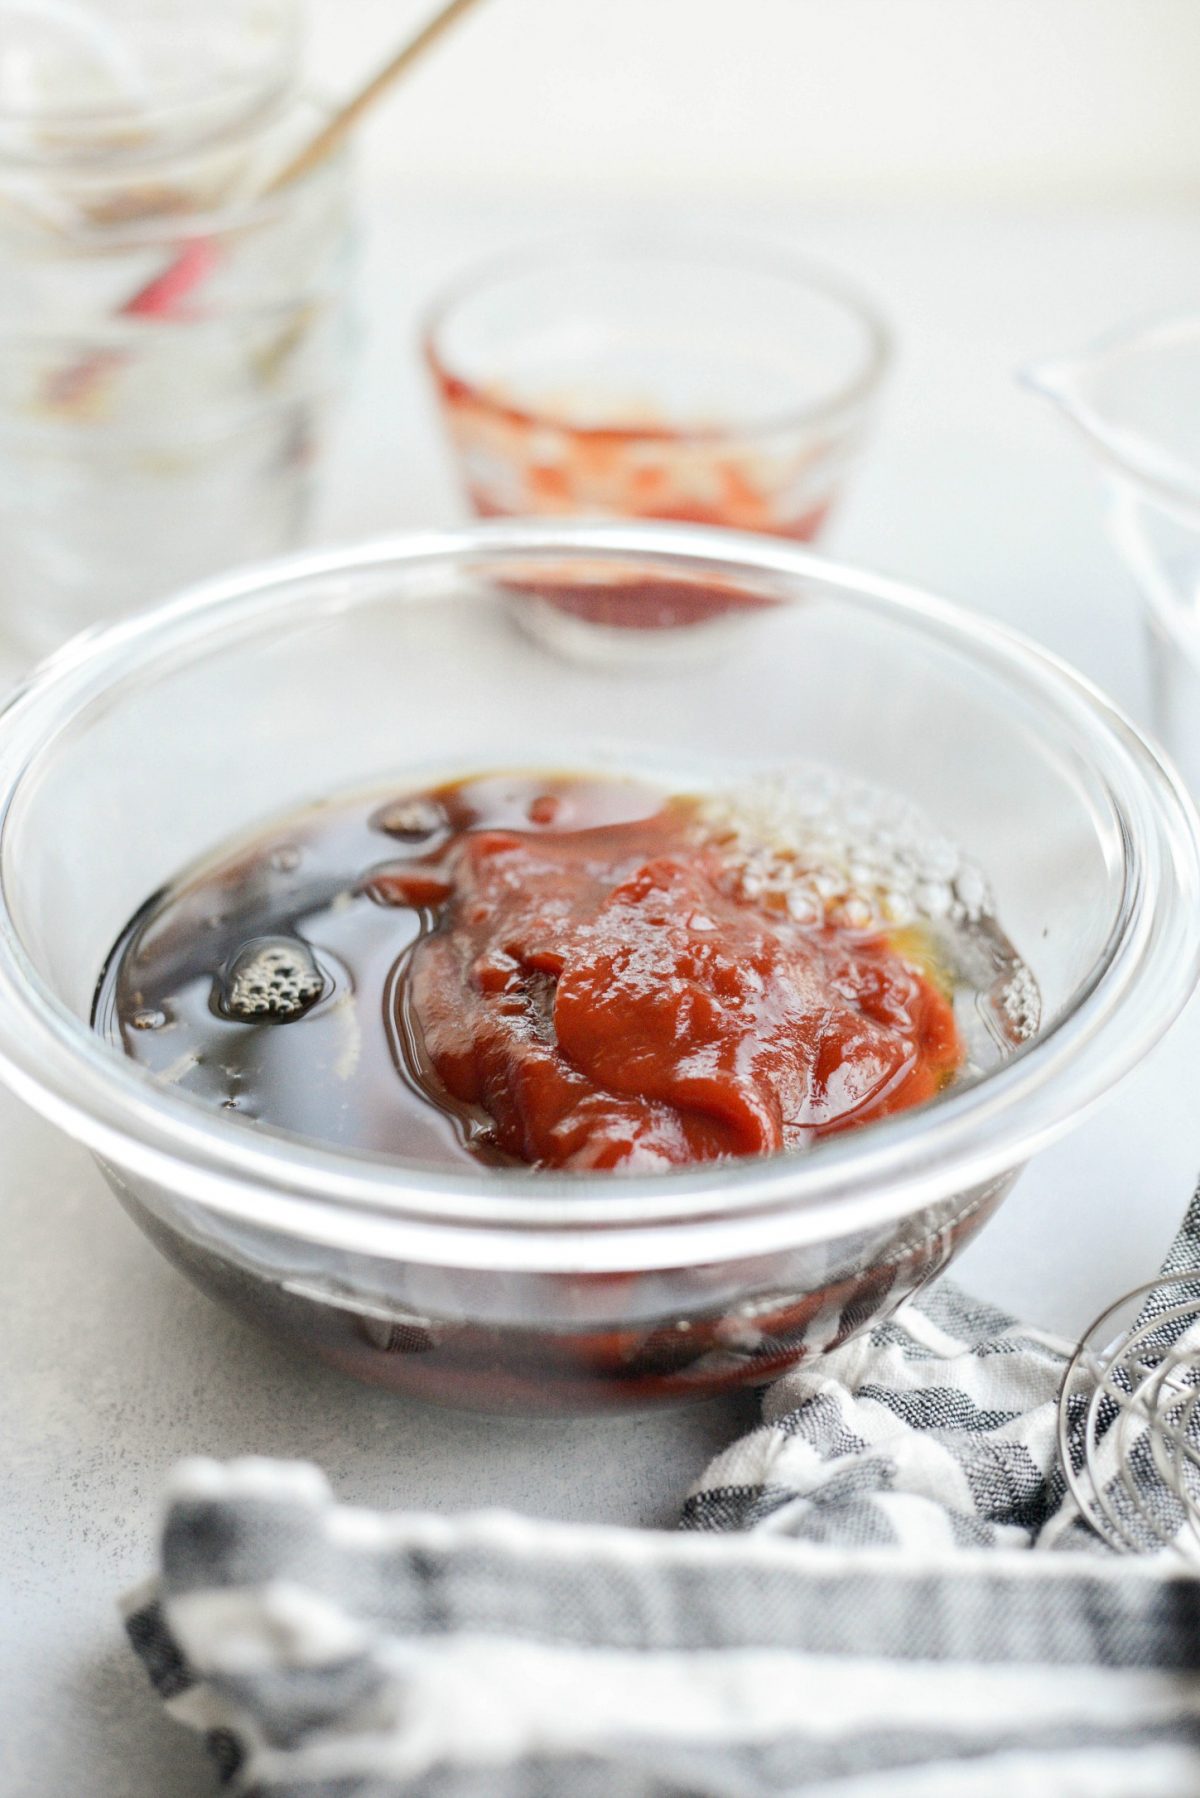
516 462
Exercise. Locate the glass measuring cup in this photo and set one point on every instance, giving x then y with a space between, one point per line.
1135 397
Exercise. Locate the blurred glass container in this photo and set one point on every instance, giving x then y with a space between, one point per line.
1135 397
171 337
685 378
120 80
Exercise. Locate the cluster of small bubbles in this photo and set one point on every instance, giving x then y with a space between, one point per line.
272 978
972 892
822 846
893 905
410 820
804 903
150 1018
935 899
856 913
1021 1002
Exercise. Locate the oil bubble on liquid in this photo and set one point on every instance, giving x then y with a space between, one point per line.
272 978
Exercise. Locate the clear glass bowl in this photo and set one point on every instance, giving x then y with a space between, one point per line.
687 378
137 749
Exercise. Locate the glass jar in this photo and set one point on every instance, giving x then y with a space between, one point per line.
171 337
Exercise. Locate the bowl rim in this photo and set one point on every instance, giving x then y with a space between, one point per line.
705 249
576 1223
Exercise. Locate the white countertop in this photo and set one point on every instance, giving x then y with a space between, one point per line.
112 1367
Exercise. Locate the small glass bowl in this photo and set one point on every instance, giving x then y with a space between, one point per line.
135 750
688 379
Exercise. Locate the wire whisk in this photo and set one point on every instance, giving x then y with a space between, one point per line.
1129 1418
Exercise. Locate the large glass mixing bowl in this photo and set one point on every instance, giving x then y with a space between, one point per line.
136 750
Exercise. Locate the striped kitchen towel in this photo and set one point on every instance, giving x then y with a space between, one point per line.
885 1590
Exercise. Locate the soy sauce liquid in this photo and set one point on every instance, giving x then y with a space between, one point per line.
320 1052
268 983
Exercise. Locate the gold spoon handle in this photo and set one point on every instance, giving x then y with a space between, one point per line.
346 118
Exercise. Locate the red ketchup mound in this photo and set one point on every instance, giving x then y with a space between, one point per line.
597 985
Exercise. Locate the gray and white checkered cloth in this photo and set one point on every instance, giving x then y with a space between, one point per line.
852 1609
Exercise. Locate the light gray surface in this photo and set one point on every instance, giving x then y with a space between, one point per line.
113 1367
116 1368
